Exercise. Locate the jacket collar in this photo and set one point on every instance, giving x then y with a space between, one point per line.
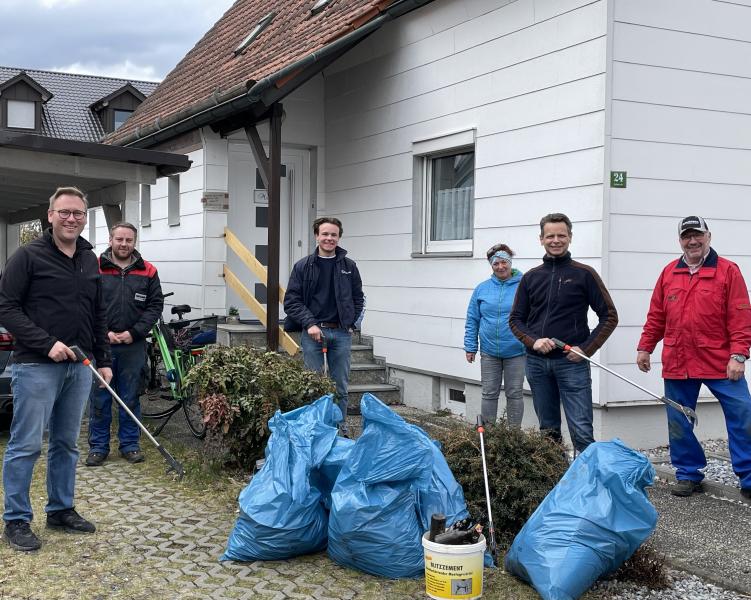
556 261
339 253
709 263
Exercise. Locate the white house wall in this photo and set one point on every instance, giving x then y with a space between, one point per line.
680 125
529 78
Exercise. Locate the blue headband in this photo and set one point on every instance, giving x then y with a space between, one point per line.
500 255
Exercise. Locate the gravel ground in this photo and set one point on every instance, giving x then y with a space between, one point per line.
685 587
717 470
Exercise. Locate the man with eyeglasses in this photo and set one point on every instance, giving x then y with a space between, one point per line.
50 300
700 310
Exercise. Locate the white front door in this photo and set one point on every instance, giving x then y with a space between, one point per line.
248 217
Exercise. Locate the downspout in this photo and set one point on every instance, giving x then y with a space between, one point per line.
205 116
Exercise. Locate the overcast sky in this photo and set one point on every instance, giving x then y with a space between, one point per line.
133 39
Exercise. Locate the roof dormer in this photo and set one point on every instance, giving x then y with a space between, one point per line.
114 109
21 100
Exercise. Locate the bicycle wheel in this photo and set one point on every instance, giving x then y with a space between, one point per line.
193 413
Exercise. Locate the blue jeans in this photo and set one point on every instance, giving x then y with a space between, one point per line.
339 355
556 381
128 361
45 396
686 453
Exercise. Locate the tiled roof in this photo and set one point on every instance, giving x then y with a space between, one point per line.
212 69
67 115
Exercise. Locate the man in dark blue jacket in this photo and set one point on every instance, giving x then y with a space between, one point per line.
50 300
552 302
324 298
133 297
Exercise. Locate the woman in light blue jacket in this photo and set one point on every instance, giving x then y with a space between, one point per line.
502 356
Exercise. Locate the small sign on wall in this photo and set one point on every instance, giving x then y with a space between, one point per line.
216 200
617 179
260 196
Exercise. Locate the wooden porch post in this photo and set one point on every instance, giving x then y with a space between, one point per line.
271 169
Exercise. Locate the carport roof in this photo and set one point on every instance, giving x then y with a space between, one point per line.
32 166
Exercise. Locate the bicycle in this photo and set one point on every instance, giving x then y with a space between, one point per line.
175 347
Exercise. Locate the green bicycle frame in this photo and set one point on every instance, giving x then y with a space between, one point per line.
174 363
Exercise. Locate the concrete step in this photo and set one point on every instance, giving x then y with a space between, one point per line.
385 392
367 373
362 353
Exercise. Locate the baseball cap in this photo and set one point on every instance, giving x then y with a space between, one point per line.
692 222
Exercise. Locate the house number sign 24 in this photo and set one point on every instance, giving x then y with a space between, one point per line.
617 179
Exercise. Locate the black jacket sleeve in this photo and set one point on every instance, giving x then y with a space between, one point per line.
519 315
14 285
357 296
102 351
294 304
154 307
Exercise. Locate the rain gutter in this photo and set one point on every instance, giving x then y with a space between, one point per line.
243 96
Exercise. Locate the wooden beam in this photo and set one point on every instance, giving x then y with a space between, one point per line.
250 261
274 189
259 153
289 345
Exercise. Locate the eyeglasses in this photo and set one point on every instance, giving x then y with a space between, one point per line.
692 235
64 213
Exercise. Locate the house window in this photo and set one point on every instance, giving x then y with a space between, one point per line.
257 30
452 397
173 200
120 116
21 114
145 205
444 195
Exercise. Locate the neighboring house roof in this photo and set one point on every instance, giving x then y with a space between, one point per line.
212 73
67 114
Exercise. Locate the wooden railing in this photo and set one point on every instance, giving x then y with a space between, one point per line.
250 261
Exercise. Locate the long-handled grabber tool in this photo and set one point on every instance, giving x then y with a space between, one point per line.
491 528
325 351
687 412
173 465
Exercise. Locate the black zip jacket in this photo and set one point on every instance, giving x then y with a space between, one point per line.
302 284
133 295
552 301
47 296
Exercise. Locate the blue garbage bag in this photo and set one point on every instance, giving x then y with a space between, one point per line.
282 513
588 525
444 494
375 524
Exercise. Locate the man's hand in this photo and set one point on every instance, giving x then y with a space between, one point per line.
315 333
60 352
642 361
543 345
124 337
735 369
572 356
471 357
112 337
106 374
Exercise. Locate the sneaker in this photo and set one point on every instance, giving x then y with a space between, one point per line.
69 521
19 536
134 456
686 487
95 459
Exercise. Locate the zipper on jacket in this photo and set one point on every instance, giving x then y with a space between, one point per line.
547 304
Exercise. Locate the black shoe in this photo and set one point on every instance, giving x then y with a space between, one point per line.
95 459
686 487
134 456
70 521
19 536
746 493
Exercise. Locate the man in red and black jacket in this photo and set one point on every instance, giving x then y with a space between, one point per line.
552 301
133 297
700 310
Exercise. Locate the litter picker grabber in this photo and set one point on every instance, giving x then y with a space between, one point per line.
325 350
173 465
687 412
491 529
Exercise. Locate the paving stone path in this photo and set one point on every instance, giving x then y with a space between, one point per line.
178 538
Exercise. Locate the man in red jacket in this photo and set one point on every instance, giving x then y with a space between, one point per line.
700 309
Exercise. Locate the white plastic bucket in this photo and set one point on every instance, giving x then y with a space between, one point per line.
453 572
